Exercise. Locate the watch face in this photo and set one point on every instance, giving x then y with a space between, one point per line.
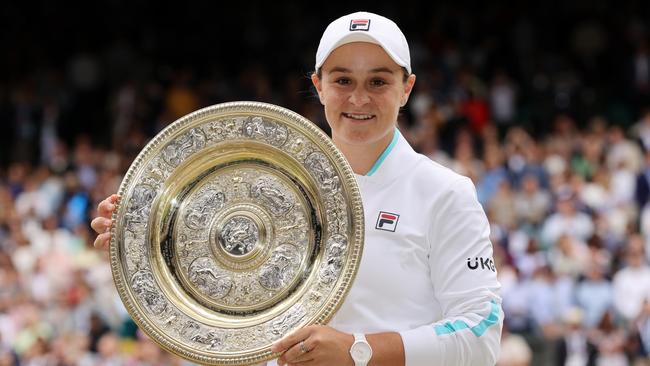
361 352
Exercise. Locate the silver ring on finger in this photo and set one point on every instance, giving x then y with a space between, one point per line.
303 349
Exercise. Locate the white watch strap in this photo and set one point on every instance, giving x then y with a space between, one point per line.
360 338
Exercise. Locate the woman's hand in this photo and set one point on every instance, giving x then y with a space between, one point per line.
315 345
102 223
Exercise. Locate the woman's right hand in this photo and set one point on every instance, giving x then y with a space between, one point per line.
102 223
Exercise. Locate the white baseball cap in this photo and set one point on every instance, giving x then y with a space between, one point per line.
365 27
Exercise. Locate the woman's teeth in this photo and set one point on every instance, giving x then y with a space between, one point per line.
358 116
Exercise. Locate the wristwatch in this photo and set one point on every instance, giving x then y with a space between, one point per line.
360 351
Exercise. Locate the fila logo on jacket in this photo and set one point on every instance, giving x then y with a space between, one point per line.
387 221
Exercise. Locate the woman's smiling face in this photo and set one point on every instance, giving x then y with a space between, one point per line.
362 90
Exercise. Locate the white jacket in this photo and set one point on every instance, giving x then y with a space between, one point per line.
427 270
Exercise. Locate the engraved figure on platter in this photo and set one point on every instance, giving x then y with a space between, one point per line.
212 339
143 286
175 152
281 267
189 329
199 213
272 195
334 256
216 130
287 321
256 127
192 330
317 163
296 146
140 203
239 236
207 277
298 221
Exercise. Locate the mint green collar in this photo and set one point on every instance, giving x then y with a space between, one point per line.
384 154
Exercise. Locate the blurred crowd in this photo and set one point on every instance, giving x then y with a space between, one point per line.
556 138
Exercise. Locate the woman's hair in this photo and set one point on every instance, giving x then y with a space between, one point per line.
319 73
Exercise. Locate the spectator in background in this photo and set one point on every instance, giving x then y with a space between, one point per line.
124 111
468 97
72 349
574 348
49 136
568 257
609 340
642 197
524 157
644 227
632 283
531 259
599 255
641 129
501 207
493 175
84 163
564 137
567 220
422 101
514 350
516 306
622 152
147 352
588 157
31 201
532 204
595 193
594 295
464 161
108 351
475 109
503 101
546 314
427 143
642 330
76 203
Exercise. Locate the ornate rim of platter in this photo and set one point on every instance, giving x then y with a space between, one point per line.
236 224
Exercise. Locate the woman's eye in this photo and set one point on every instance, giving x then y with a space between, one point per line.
377 82
343 81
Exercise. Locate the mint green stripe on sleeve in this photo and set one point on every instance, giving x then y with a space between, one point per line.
478 330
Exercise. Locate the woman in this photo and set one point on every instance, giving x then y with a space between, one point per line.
426 291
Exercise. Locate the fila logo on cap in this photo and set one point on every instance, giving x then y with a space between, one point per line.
387 221
360 24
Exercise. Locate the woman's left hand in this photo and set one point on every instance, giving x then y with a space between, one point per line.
315 345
